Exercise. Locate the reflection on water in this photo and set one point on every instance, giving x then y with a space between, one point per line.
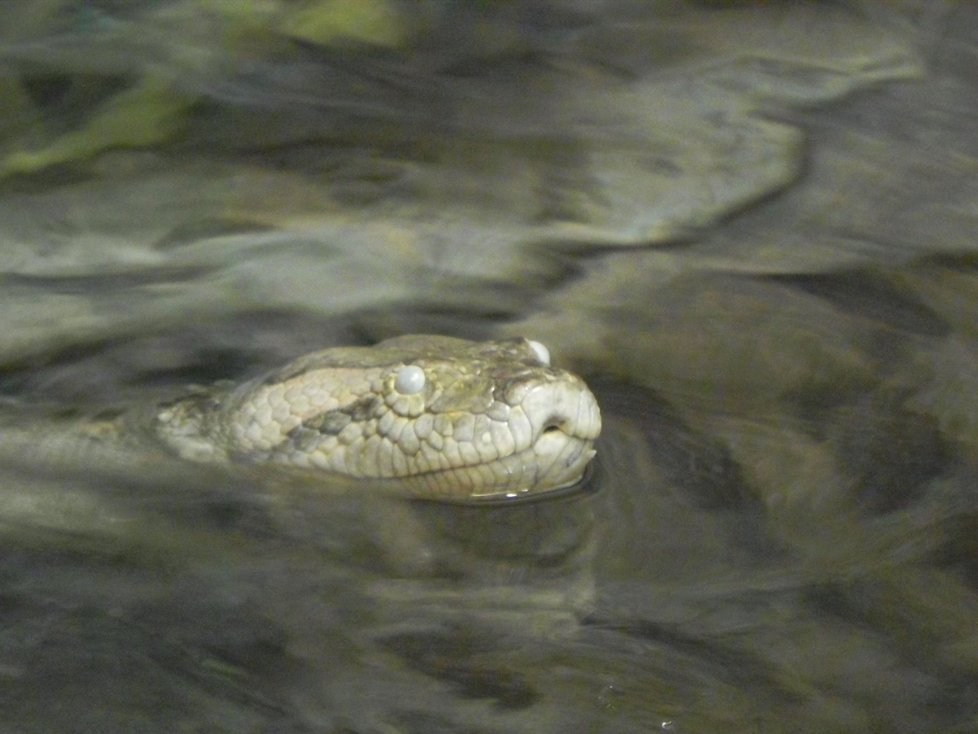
750 227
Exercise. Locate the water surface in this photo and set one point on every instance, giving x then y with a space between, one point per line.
751 228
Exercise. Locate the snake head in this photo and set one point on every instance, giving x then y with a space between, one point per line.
440 417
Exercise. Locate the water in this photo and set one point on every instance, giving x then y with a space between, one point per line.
750 228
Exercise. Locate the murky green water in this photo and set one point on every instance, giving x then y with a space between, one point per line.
749 226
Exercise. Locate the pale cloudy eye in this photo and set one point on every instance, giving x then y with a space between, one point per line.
410 380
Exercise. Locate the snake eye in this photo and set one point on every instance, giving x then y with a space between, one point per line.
410 380
541 352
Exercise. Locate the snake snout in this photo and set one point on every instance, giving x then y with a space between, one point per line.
566 407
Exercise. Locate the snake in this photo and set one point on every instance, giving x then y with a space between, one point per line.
434 417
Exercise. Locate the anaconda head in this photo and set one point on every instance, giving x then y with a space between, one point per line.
445 418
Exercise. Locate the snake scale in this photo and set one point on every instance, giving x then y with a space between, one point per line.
432 417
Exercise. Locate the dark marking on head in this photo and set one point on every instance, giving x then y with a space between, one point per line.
331 422
325 424
362 409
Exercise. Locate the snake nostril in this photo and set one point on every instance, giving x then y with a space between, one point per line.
554 423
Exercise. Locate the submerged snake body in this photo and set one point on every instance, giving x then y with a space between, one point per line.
444 418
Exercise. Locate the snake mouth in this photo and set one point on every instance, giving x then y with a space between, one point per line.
554 462
582 486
